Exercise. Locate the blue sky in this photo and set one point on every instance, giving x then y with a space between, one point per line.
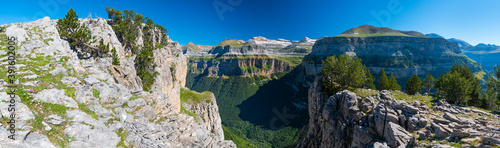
198 20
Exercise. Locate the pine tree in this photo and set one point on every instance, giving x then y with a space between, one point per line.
428 83
493 88
383 83
413 85
394 83
460 86
369 78
343 72
116 59
77 35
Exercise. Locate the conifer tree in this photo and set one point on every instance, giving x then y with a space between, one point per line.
394 83
428 83
413 85
383 83
76 34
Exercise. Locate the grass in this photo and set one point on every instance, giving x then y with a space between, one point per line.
189 96
428 100
86 110
363 93
133 98
123 136
194 115
41 110
95 93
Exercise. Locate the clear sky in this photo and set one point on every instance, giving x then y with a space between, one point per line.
208 22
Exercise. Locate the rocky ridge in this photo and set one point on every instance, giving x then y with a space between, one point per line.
383 120
70 101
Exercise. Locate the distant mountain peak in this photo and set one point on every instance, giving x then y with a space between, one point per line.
371 31
434 35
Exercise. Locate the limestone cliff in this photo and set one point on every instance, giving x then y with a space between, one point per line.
401 55
71 99
244 66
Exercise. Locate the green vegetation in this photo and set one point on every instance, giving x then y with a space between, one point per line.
127 26
236 100
394 83
193 97
383 83
95 93
116 59
428 100
460 86
41 110
123 134
414 85
344 72
237 140
194 115
76 34
428 83
492 95
86 110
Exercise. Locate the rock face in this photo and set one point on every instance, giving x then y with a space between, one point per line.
382 120
97 104
209 114
401 55
262 65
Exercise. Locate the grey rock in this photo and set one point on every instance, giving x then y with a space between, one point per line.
380 145
55 119
70 80
55 96
58 70
451 117
422 122
396 135
442 121
440 132
361 137
83 94
90 80
491 141
385 95
410 109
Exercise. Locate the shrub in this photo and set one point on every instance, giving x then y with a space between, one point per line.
342 72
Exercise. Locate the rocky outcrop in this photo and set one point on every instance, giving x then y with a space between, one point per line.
382 120
208 111
97 104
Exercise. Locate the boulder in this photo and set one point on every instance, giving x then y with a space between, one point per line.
396 135
491 141
385 95
411 109
55 96
440 132
361 137
58 71
451 117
